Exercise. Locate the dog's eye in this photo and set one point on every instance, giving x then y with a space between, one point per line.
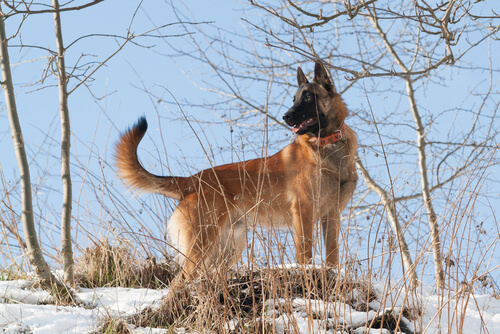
307 96
294 99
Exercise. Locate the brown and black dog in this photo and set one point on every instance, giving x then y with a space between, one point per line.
310 180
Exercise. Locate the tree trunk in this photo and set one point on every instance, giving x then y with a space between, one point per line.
35 256
422 164
390 208
66 245
431 215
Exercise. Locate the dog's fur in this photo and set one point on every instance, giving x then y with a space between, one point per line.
296 187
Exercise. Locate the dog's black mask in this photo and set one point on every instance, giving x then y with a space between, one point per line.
305 115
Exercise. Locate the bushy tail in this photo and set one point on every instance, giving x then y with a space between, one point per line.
131 171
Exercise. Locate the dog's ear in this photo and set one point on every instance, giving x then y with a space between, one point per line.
301 78
322 77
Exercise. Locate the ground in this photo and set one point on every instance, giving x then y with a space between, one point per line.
27 310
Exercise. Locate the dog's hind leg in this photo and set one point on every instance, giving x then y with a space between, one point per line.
202 232
232 243
193 232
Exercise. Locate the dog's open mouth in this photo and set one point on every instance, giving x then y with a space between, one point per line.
304 124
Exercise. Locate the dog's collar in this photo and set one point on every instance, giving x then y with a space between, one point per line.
334 137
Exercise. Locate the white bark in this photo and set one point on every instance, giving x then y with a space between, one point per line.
66 246
35 255
390 208
426 194
431 214
42 270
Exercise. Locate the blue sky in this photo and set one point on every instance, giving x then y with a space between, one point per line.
114 99
118 95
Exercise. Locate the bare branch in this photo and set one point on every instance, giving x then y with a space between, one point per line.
27 10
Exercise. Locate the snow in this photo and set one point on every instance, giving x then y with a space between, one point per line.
23 309
20 308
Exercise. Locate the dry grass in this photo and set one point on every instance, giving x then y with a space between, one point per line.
111 325
252 302
106 265
12 274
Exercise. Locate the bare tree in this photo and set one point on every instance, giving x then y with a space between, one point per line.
66 244
421 143
36 258
69 79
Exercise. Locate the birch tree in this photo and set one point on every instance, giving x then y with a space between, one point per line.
66 243
70 75
36 258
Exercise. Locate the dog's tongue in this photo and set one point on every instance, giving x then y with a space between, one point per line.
304 124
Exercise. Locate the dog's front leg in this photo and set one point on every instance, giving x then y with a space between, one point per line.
331 225
303 228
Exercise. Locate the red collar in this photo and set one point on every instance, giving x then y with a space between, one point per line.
331 138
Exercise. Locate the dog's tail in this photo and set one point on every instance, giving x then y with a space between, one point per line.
134 175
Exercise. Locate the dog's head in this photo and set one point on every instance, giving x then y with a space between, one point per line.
317 108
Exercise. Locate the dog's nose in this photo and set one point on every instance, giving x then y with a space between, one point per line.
286 117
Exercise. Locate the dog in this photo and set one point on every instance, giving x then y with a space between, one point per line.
310 180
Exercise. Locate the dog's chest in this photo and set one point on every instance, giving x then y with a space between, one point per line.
334 163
